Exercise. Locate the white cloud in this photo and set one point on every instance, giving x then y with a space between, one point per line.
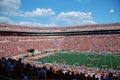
36 24
75 18
111 11
5 20
10 7
39 12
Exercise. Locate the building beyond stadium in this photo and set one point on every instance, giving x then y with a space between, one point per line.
104 38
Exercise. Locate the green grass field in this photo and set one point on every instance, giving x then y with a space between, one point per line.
88 59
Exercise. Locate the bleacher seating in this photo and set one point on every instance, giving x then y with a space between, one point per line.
92 43
14 45
12 69
108 43
18 45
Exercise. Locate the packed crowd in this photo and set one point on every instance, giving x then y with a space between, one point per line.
16 45
18 69
92 43
29 29
58 29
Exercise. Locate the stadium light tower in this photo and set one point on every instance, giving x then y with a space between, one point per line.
111 13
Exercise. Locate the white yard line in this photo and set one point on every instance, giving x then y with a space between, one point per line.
118 63
110 62
97 62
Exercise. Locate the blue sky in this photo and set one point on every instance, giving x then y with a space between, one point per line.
59 12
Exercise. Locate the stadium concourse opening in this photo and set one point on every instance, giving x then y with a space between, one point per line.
86 52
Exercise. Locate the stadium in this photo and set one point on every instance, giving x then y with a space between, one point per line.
89 52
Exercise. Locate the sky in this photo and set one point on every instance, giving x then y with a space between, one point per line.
59 13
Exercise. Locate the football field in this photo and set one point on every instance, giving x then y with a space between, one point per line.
84 59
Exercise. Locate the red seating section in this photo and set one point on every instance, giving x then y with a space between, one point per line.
14 45
92 43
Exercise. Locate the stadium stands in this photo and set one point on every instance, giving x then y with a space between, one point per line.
16 45
92 43
16 69
12 40
17 40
